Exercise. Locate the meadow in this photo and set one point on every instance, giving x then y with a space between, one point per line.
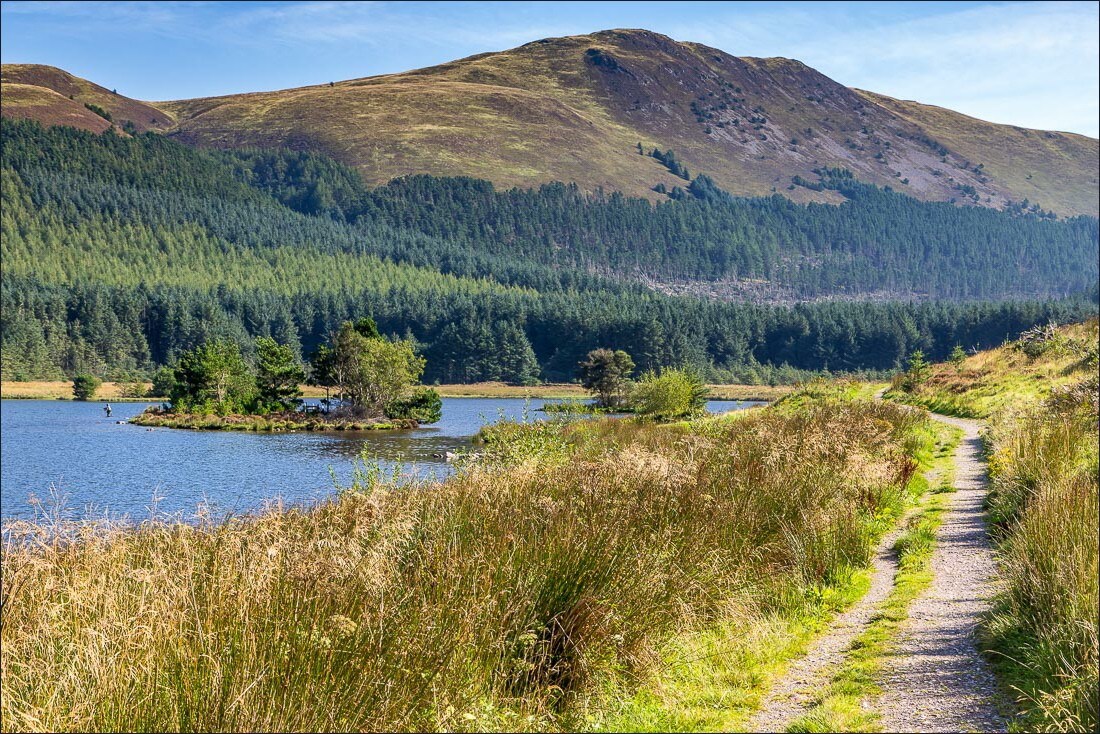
550 581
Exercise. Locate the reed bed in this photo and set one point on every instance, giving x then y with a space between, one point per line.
1045 506
558 563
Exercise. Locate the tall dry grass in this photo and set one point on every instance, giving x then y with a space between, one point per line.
1045 505
492 600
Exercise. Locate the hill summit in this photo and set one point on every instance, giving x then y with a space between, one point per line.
591 109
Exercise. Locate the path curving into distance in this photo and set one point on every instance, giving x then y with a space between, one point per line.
934 678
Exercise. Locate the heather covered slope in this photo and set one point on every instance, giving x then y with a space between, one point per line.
575 109
55 97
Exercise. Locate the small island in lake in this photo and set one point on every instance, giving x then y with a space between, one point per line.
373 382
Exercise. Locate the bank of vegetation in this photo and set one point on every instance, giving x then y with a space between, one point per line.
1020 371
660 395
540 588
120 254
370 384
1041 394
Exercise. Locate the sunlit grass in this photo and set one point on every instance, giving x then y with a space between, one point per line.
1000 379
512 596
1043 629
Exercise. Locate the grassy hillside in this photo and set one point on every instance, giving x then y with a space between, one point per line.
574 109
55 97
1022 372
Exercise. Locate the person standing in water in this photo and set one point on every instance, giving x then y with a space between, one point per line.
107 409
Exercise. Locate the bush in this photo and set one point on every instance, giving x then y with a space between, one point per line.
671 394
422 405
85 385
1038 340
164 383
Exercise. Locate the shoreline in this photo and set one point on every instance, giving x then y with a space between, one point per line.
272 423
110 391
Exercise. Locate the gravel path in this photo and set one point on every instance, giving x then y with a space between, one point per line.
934 679
794 693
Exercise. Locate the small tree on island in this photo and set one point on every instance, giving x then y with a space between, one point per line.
213 378
606 374
85 385
369 371
278 376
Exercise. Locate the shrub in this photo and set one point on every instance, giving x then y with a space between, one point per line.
670 394
422 405
1038 340
85 385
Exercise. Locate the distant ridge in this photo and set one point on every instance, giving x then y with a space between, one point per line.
576 109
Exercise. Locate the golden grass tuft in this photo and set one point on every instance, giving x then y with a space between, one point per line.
1045 503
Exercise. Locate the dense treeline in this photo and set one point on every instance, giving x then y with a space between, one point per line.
121 253
878 241
52 330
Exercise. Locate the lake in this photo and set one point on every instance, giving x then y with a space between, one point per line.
73 451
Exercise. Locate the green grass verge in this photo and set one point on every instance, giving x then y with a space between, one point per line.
840 706
715 679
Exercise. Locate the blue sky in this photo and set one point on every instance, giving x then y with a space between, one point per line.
1033 64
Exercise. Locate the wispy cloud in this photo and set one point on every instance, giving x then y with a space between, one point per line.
1032 64
370 22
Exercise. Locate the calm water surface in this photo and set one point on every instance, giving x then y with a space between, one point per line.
73 451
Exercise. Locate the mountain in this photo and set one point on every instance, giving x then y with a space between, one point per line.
576 109
56 97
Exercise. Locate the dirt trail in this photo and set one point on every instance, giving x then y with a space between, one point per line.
791 696
935 680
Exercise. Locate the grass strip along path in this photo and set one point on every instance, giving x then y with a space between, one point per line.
906 656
